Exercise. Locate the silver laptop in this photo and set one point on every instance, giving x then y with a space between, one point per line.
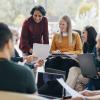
87 65
48 85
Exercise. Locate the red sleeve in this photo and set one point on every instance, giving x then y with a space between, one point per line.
45 32
24 45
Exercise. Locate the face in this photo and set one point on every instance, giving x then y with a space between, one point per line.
84 36
37 16
98 47
63 26
98 43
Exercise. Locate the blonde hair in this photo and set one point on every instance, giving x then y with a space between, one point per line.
69 28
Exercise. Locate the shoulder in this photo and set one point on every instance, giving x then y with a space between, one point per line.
75 34
28 20
22 69
57 35
44 19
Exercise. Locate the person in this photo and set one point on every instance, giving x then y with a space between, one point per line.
13 77
89 39
88 95
34 30
29 59
67 42
93 95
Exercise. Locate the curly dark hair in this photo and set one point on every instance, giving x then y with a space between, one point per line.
39 8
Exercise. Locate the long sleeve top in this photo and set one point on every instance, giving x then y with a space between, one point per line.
63 45
16 57
33 32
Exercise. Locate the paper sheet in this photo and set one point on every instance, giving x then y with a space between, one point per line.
69 89
41 50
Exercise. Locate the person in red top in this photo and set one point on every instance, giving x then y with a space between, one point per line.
34 30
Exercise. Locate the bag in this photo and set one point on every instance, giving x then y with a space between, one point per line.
61 62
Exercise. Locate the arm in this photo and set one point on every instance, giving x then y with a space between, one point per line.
97 97
90 93
24 39
31 86
46 33
53 45
86 98
17 59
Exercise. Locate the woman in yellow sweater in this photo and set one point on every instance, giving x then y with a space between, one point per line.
67 42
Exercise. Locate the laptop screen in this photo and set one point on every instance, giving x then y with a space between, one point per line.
48 85
87 65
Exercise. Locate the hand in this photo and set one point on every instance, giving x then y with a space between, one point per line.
87 93
30 58
39 63
56 52
83 79
31 51
34 57
99 73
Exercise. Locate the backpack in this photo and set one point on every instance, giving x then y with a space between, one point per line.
61 62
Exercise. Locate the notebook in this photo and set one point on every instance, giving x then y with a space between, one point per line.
87 65
41 50
48 85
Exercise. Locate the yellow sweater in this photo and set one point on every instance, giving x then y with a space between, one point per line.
63 45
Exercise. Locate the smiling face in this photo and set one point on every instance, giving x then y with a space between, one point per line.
37 16
98 47
63 26
84 35
98 42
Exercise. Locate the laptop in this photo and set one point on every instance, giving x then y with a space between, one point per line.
41 50
87 65
48 85
51 70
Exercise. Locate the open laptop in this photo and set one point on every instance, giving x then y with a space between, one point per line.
41 50
87 65
56 71
51 70
48 85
